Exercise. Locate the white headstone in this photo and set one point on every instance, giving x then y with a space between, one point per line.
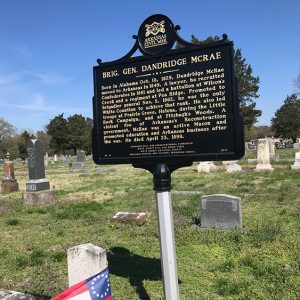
296 165
85 261
206 167
233 167
55 157
263 156
296 145
272 148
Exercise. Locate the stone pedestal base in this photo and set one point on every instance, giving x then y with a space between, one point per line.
263 167
9 185
38 198
36 185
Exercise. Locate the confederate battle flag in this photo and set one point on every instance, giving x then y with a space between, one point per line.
96 287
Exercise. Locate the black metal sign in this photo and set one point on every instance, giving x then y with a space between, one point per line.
167 106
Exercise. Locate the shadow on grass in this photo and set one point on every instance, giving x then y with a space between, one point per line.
135 268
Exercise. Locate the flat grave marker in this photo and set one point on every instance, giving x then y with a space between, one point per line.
129 217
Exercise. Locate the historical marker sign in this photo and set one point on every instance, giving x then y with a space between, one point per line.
168 105
163 110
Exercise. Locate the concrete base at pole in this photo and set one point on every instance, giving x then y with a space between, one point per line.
167 245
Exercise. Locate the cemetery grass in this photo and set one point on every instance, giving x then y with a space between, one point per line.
260 262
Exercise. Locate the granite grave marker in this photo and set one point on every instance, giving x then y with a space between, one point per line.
221 211
80 156
80 159
38 187
36 167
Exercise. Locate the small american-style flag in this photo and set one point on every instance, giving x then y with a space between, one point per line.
96 287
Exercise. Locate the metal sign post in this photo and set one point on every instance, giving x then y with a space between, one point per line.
162 186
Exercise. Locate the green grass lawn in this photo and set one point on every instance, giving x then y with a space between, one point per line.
260 262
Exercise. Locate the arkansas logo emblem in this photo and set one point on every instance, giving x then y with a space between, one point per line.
155 28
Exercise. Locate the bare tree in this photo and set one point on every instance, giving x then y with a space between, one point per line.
6 130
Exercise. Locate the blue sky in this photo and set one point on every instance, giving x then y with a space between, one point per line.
48 48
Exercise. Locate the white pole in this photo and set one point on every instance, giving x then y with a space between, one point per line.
167 245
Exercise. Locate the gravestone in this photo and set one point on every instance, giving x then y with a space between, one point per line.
206 167
263 156
85 261
66 160
232 166
46 159
221 211
55 157
14 295
80 159
38 187
128 217
271 147
80 156
296 165
18 161
296 145
9 183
